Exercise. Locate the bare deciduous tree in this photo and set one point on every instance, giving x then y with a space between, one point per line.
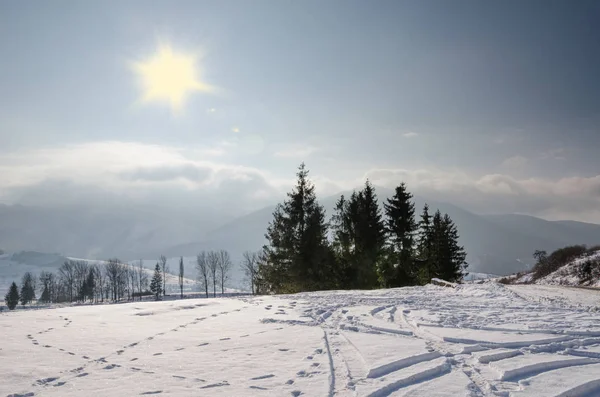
80 273
250 267
114 273
224 268
67 275
181 268
142 278
164 268
203 271
213 266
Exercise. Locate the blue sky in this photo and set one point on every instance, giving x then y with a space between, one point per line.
478 103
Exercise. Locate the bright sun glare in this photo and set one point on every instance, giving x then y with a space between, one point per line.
169 76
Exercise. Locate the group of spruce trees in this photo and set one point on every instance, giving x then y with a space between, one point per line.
361 248
25 296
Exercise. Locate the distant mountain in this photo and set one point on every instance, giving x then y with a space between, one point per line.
100 232
496 244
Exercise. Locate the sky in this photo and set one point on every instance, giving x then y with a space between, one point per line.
493 106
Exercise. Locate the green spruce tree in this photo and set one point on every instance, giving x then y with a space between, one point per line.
27 294
424 261
156 283
12 296
369 237
297 255
400 228
455 265
343 242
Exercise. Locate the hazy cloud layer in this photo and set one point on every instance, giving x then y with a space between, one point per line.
167 176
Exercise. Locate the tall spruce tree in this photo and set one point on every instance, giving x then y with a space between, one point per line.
446 256
12 296
370 237
401 227
27 294
298 256
343 242
157 282
425 261
455 265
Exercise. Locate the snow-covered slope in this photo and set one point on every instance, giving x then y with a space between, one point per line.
569 274
473 340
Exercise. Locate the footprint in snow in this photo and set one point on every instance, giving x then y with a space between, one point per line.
30 394
319 351
178 377
180 349
45 381
220 384
111 366
60 384
284 350
315 364
290 382
225 339
134 359
151 392
82 375
309 357
296 393
157 354
258 388
202 344
263 377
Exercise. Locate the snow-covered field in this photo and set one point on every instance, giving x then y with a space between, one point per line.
475 340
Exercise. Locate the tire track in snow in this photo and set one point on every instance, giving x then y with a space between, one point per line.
438 344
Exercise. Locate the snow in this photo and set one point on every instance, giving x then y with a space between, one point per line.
567 274
472 340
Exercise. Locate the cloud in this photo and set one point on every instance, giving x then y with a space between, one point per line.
554 154
565 198
515 163
410 134
134 171
189 172
296 151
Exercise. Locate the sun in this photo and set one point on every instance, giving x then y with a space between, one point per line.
169 77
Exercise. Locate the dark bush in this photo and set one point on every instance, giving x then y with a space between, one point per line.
557 259
588 270
593 249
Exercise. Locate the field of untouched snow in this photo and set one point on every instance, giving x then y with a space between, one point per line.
475 340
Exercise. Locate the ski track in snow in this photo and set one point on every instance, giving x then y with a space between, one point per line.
473 340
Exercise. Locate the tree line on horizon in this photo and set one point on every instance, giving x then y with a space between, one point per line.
112 281
362 247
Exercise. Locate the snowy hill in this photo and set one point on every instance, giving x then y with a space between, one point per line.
572 273
475 340
581 271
